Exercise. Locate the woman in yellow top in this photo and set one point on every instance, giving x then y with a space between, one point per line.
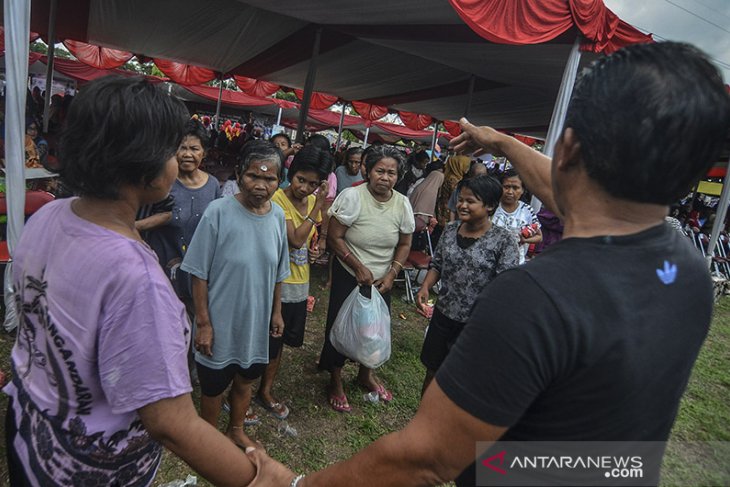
302 211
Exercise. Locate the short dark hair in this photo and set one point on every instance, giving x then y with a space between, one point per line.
486 188
311 158
320 141
650 119
194 128
473 169
282 135
375 153
352 151
119 131
510 173
259 150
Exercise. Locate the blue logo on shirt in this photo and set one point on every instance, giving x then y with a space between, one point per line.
669 274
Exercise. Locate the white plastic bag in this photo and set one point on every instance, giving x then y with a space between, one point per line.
362 329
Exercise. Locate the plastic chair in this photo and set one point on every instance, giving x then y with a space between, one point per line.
418 261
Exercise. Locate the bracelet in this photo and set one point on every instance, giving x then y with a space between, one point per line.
310 220
393 269
295 480
398 264
344 257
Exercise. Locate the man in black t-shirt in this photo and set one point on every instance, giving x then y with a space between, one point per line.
595 339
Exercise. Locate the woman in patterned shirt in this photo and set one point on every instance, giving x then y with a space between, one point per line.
470 253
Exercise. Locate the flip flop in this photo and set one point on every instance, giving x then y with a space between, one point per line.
384 394
251 418
276 409
339 403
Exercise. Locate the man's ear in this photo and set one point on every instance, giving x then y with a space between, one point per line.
567 150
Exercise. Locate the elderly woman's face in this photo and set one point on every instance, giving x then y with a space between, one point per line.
190 154
259 182
383 176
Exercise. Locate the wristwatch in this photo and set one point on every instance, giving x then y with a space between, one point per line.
295 480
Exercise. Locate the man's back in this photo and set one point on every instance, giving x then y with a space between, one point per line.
593 340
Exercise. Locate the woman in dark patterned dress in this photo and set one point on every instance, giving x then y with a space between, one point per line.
470 253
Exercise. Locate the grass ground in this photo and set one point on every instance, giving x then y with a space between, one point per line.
325 436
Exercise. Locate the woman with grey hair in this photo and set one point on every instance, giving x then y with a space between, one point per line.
236 281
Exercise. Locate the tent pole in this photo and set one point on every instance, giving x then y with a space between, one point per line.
719 218
561 106
434 137
367 133
49 66
17 31
308 87
339 128
218 104
470 95
278 117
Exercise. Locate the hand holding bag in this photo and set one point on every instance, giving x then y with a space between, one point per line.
362 328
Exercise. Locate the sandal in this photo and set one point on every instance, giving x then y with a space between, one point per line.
339 403
276 409
251 418
384 394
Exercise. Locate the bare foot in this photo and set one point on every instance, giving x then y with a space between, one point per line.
239 438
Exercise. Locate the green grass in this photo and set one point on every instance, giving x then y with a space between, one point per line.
325 436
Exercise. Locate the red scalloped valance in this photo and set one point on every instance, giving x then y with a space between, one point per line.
33 37
415 121
453 128
185 74
319 101
96 56
369 111
536 21
256 87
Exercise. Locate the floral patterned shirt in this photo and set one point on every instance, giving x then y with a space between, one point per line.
465 272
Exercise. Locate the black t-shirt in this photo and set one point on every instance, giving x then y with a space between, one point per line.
593 340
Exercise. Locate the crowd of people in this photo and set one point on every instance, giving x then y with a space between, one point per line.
211 281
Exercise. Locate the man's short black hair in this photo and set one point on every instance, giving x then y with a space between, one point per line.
311 158
119 131
650 119
486 188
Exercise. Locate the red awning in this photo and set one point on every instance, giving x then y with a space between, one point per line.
256 87
537 21
185 74
97 56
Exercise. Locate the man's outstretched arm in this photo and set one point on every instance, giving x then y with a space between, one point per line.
533 167
436 446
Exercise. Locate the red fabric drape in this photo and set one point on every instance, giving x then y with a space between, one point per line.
404 132
453 128
256 87
33 57
185 74
97 56
33 36
83 73
229 97
415 121
319 101
536 21
369 111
